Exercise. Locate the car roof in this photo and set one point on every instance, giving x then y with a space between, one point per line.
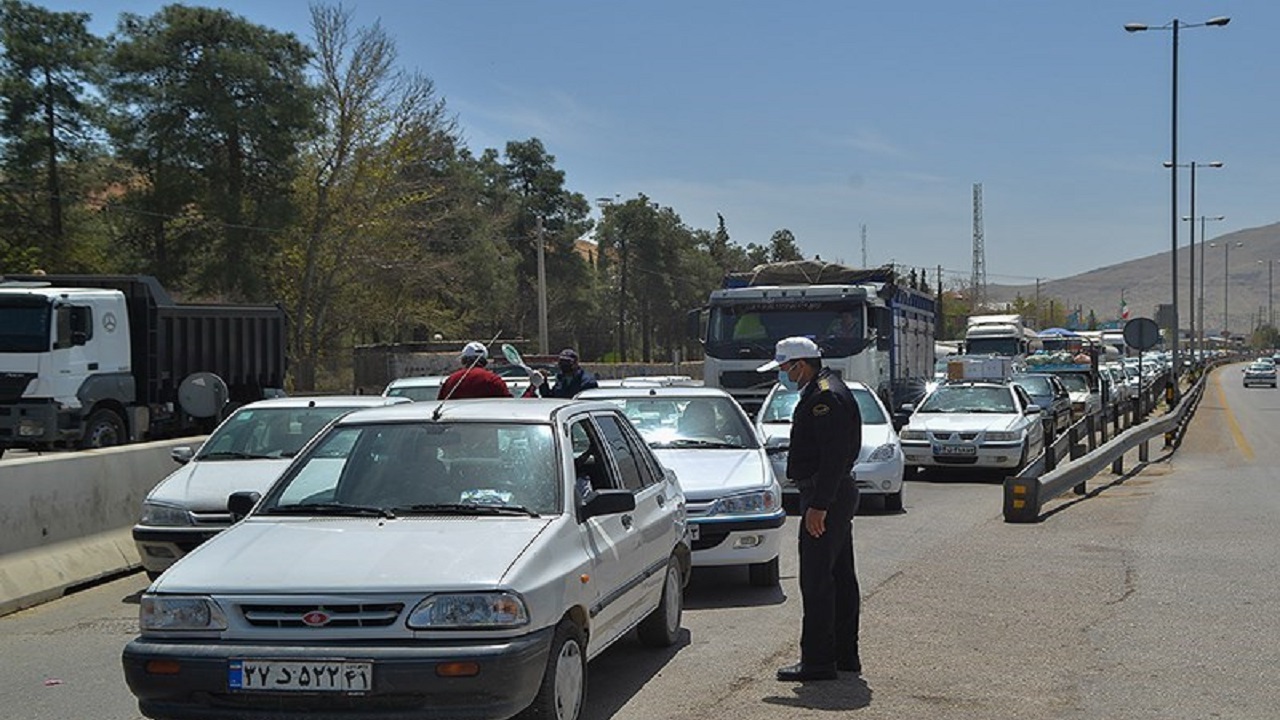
326 401
418 381
655 391
526 410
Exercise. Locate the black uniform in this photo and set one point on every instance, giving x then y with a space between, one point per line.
826 436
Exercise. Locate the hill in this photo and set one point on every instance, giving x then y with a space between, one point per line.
1145 282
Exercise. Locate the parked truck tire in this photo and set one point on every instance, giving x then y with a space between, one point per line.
104 428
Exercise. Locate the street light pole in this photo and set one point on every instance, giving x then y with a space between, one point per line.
1226 282
1203 271
543 343
1175 25
1271 315
1192 232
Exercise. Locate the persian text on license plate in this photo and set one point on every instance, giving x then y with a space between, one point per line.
954 450
695 532
342 676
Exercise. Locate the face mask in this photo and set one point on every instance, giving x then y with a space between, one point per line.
785 381
565 367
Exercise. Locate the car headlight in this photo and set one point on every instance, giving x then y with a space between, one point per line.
160 515
1002 435
159 612
884 453
749 503
458 611
913 435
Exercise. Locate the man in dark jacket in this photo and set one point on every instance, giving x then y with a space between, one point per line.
571 378
473 380
826 436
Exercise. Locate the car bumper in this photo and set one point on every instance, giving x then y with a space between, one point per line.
986 456
744 541
160 547
872 478
405 682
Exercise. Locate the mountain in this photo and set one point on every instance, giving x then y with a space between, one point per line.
1253 253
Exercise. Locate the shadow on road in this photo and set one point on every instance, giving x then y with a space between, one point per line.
849 692
725 587
617 675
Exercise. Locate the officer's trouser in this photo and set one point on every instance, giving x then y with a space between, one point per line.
829 584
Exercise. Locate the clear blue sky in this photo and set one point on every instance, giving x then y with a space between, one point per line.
826 115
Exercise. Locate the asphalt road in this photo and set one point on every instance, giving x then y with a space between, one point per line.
1154 596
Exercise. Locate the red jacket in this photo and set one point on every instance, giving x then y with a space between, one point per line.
475 382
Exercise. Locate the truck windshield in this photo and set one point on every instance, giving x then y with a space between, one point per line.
24 327
750 330
992 346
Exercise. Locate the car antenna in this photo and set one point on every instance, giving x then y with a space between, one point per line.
435 414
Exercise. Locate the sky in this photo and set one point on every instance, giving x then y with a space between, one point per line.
826 116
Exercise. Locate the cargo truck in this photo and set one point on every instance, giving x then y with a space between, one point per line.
870 328
93 360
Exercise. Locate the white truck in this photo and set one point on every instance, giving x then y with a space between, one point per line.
1005 335
871 328
94 360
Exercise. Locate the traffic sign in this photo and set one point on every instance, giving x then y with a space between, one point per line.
1141 333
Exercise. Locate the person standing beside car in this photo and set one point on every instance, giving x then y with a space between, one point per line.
473 379
826 436
571 378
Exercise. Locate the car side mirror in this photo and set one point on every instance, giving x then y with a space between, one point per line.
182 454
240 504
1032 409
608 502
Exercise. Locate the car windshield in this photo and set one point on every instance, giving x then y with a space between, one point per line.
968 399
270 432
414 392
782 406
1075 382
669 421
1035 385
476 468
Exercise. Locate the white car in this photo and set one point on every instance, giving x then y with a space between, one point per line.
443 559
247 451
973 424
417 388
734 501
879 468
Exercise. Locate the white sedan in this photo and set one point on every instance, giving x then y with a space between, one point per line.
974 424
735 503
879 468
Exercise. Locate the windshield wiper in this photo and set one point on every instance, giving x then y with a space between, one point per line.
694 442
469 509
329 508
234 455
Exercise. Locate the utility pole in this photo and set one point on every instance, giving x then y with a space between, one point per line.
864 245
543 343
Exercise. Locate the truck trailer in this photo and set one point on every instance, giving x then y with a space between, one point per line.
97 360
870 328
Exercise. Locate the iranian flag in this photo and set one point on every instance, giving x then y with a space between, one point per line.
1124 308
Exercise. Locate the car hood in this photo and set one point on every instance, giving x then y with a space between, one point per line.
206 484
957 422
336 555
706 473
873 436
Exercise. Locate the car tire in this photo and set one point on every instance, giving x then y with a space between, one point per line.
661 628
104 428
765 574
893 501
564 683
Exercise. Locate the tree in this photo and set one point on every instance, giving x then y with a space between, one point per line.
783 247
213 110
46 122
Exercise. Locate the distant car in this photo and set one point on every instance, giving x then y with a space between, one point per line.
417 388
734 500
1049 392
1085 398
974 424
879 468
424 561
248 451
1260 373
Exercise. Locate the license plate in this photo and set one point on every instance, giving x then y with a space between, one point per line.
694 532
338 676
954 450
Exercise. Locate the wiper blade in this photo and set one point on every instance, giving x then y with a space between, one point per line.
694 442
331 509
234 455
469 509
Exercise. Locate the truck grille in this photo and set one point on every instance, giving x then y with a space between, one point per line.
338 616
747 380
13 384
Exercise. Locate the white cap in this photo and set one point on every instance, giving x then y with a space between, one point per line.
792 348
474 349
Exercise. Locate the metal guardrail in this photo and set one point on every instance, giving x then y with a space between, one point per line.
1092 444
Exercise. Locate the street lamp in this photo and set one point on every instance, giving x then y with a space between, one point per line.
603 203
1226 280
1198 308
1271 313
1191 291
1175 25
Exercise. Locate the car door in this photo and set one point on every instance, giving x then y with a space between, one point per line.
652 523
1033 423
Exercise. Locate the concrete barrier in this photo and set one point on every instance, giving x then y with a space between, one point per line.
65 519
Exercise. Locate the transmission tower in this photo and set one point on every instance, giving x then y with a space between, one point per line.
978 283
864 245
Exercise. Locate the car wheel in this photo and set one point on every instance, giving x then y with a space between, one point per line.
893 501
764 574
564 682
103 429
661 627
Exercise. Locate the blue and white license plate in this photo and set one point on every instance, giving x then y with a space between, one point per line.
695 532
955 450
338 676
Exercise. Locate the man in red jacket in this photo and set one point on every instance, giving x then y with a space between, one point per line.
472 380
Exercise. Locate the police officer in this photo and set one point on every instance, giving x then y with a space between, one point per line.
826 435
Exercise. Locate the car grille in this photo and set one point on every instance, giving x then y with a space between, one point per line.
955 459
953 436
340 616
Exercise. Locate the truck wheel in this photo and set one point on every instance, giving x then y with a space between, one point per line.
104 429
661 628
564 682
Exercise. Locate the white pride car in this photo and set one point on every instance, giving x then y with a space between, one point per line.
974 424
735 502
428 559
